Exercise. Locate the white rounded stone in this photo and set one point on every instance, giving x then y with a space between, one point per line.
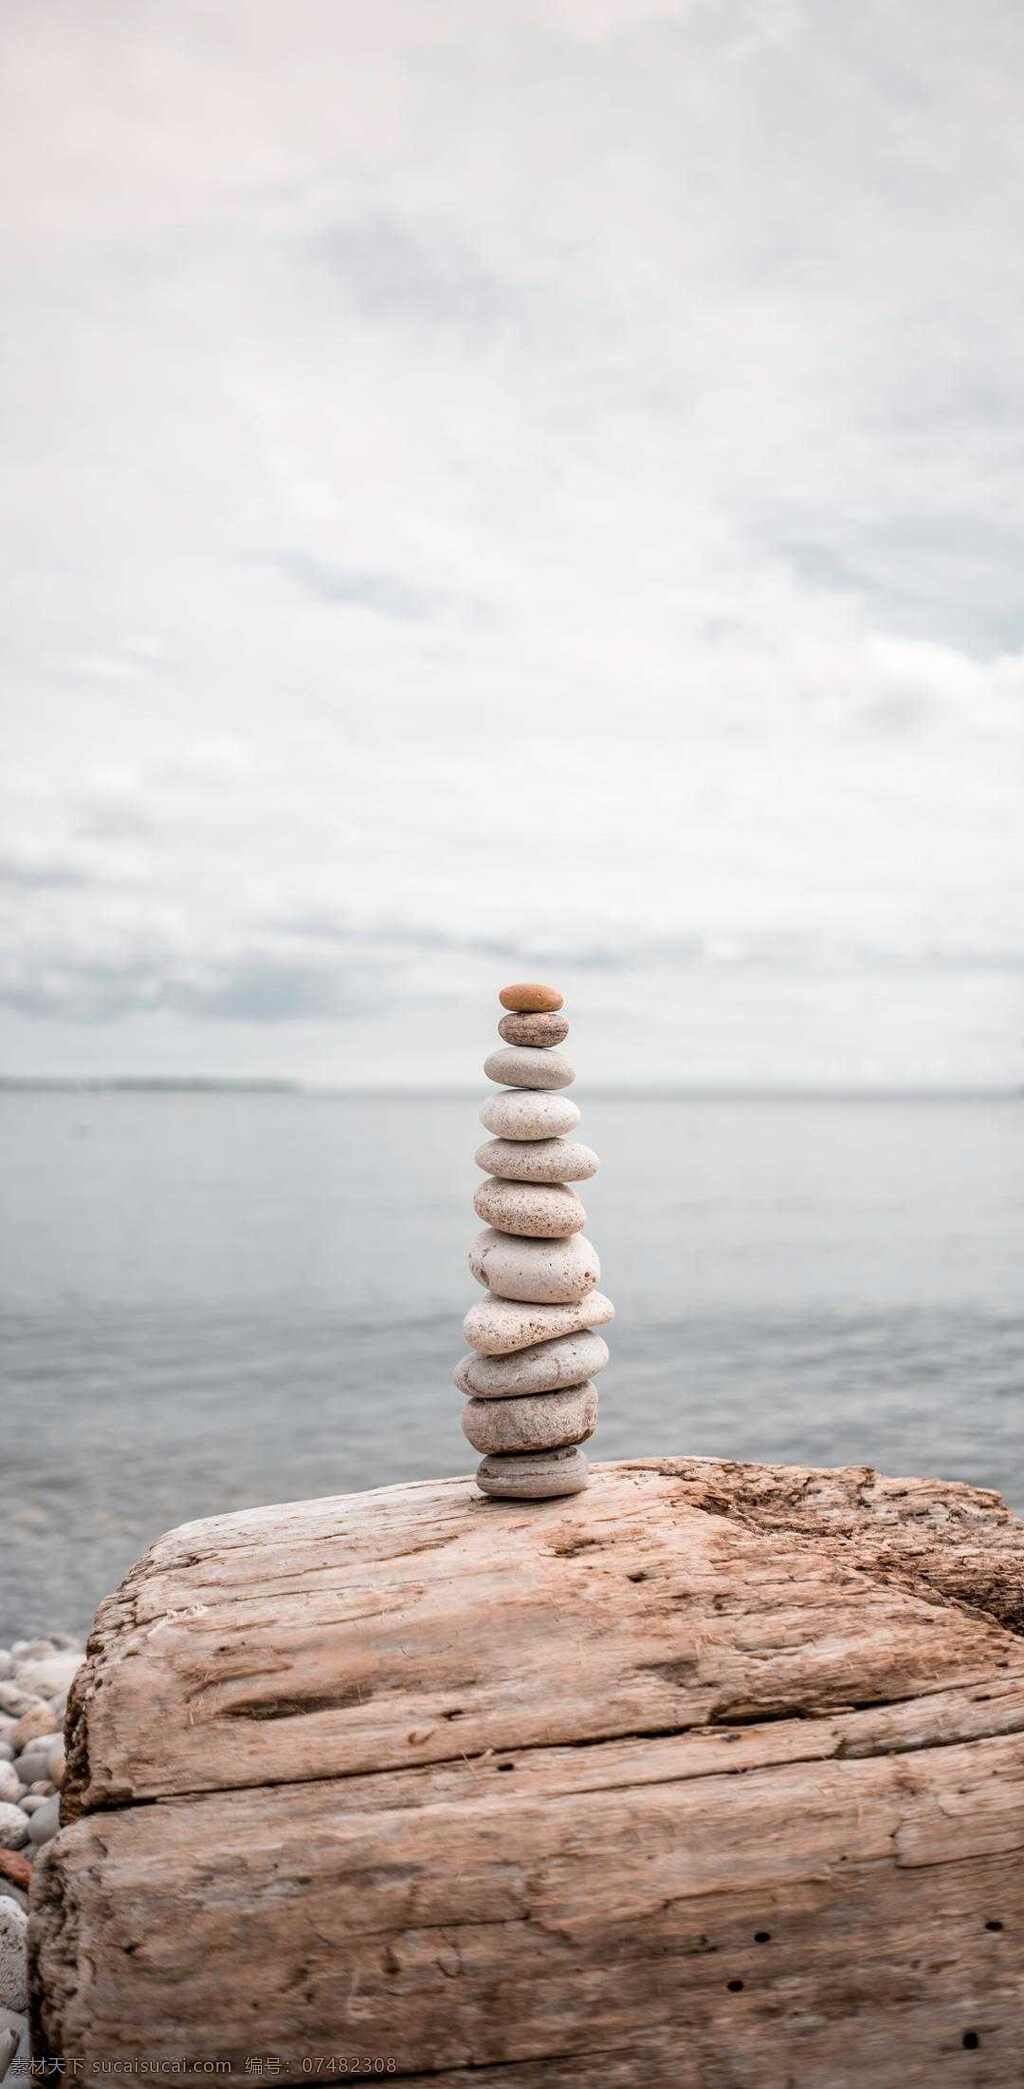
539 1422
528 1066
499 1326
540 1369
13 1827
10 1782
537 1160
525 1114
542 1272
543 1210
534 1475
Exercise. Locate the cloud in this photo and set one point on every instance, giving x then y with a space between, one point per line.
39 875
346 587
421 277
524 488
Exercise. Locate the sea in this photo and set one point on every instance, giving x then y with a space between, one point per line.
215 1299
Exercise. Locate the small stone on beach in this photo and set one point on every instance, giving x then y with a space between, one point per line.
543 1368
543 1029
527 997
540 1272
528 1114
538 1422
13 1826
523 1066
500 1326
538 1160
542 1210
534 1475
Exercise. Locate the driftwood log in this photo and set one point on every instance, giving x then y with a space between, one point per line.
711 1775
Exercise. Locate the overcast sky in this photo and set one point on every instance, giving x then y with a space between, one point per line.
505 488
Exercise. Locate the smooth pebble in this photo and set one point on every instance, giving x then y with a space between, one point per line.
537 1160
528 997
13 1826
540 1369
10 1784
52 1673
539 1422
534 1475
499 1326
543 1029
523 1066
45 1821
528 1114
543 1210
31 1725
541 1272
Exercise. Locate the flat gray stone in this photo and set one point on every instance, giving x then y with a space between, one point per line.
543 1028
540 1369
541 1272
45 1821
538 1422
523 1066
523 1113
500 1326
535 1475
537 1160
541 1210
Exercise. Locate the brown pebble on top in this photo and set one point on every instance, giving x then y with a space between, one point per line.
527 998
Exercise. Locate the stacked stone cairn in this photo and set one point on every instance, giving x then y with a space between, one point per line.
531 1401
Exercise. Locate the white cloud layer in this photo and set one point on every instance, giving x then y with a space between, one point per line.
512 488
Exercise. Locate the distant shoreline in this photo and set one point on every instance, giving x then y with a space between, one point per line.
308 1091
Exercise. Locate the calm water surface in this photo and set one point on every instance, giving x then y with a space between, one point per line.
216 1300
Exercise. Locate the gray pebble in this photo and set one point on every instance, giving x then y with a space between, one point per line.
541 1369
49 1674
535 1476
13 1826
539 1422
34 1760
45 1821
525 1113
10 1783
15 2058
6 1752
13 1956
523 1066
6 1664
537 1160
497 1326
541 1272
541 1210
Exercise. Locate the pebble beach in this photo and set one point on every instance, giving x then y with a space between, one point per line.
35 1678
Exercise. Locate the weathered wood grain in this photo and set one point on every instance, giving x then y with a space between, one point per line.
713 1775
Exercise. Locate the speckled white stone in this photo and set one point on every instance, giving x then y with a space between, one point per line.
543 1210
542 1368
524 1115
500 1326
534 1475
543 1272
526 1066
539 1422
537 1160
